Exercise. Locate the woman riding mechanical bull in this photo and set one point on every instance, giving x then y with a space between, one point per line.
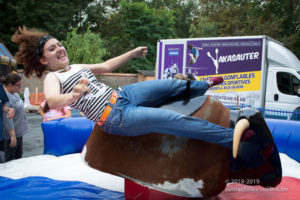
133 109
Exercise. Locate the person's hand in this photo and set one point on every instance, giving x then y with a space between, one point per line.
80 88
13 141
140 51
10 113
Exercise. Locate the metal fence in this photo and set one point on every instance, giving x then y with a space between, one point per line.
273 113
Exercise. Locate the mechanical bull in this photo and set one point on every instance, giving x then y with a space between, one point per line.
169 163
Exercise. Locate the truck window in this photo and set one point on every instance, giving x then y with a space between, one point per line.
287 83
296 83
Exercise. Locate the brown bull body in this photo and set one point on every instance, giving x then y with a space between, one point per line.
155 158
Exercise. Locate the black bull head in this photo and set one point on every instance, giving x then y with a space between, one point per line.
155 159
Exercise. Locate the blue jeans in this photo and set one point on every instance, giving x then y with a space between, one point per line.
135 113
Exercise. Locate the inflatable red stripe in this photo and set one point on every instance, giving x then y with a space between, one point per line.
287 189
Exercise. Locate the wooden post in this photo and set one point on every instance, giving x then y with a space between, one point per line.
36 95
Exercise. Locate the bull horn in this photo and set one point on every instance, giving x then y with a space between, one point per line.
239 129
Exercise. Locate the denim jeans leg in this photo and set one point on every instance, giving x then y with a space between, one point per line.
139 120
153 93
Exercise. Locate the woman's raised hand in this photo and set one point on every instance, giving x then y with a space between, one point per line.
140 51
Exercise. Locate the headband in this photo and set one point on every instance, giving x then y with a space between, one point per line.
41 44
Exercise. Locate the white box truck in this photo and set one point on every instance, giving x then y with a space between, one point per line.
258 71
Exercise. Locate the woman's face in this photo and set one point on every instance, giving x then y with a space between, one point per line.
54 55
14 88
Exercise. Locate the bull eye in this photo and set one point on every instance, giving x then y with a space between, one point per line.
248 134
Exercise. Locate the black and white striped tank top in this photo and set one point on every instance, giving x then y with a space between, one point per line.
91 104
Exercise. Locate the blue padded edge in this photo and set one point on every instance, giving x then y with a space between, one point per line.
277 128
37 188
286 134
66 136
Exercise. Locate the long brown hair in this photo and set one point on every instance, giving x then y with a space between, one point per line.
27 54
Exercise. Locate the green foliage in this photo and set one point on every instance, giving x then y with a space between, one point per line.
21 95
144 26
279 19
140 22
296 45
98 17
121 25
84 48
184 13
203 28
136 24
55 17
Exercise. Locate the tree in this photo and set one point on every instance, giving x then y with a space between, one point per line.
124 24
287 12
128 25
143 26
98 14
85 48
203 28
277 19
184 13
55 17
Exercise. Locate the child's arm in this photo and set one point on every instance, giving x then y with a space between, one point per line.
67 114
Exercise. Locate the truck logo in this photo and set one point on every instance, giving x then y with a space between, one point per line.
215 60
232 58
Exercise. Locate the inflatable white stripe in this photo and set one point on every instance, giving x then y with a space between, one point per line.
290 167
68 168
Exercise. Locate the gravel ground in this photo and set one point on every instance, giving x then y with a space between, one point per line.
33 141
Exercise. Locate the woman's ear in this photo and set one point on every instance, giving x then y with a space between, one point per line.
43 61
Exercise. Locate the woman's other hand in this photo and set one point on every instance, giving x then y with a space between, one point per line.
80 88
